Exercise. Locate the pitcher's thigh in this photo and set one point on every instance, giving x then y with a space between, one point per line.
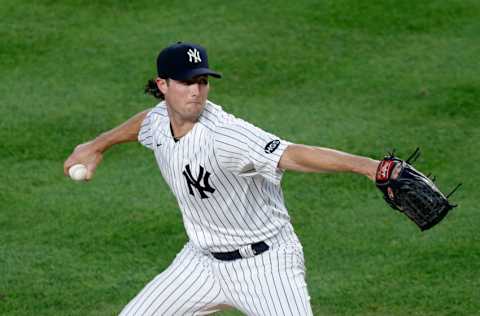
186 287
272 283
285 281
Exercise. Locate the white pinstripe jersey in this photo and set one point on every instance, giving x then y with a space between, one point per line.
224 175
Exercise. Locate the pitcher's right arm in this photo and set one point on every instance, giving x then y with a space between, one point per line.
90 153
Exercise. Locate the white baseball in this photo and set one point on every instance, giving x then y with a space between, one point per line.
78 172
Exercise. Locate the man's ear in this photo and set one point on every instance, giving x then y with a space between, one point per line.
162 84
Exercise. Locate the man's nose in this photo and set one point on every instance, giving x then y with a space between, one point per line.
195 88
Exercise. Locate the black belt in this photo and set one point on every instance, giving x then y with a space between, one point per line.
249 251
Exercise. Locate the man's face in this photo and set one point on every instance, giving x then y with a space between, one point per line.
185 99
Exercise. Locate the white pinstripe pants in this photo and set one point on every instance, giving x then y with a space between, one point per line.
272 283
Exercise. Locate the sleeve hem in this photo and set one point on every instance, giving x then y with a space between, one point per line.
276 178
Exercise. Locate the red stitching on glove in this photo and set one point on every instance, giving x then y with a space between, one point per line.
384 170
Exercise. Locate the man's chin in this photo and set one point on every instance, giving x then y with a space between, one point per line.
192 116
194 110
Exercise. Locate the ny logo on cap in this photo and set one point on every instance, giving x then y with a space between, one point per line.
194 56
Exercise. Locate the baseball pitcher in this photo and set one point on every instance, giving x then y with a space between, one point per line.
225 173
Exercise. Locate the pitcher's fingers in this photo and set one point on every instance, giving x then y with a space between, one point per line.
91 167
89 175
90 171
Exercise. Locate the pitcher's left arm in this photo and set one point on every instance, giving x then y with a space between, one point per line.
319 159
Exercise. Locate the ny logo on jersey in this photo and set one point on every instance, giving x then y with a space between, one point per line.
194 56
196 182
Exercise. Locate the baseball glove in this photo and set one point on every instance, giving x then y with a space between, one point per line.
409 191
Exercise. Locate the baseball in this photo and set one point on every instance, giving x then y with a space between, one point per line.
78 172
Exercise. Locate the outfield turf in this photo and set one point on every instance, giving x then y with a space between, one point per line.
359 76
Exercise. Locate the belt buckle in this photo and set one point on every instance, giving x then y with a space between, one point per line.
246 252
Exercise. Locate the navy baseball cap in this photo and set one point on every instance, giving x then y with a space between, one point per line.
183 61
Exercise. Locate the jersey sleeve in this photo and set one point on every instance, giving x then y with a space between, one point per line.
150 124
145 135
247 150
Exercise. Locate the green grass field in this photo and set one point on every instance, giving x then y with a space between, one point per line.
359 76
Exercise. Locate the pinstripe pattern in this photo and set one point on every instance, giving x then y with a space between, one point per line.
247 205
270 284
224 175
184 288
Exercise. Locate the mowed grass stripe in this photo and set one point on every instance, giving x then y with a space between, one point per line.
361 77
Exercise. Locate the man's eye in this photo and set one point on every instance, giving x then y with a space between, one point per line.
190 82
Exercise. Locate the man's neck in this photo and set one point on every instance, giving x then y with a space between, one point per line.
179 127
